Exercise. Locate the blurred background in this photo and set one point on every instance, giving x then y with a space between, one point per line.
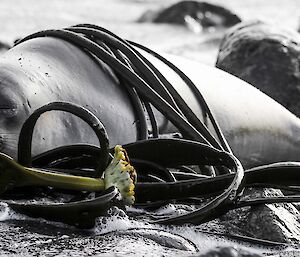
19 18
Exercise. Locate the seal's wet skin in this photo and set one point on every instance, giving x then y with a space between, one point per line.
43 70
189 131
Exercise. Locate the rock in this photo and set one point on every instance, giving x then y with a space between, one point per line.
229 252
163 238
194 14
22 236
272 222
4 47
33 237
266 56
275 222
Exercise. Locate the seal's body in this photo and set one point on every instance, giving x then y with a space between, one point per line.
44 70
258 129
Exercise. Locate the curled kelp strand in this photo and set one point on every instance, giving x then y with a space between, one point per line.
186 176
141 86
148 87
81 214
71 157
12 175
269 176
189 152
246 239
147 73
147 168
213 208
26 133
197 93
143 64
267 200
121 174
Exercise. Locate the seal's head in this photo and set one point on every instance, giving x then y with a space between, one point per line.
14 109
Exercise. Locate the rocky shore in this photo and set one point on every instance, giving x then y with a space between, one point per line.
266 56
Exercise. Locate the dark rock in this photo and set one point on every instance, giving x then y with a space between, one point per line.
271 222
4 47
204 14
275 222
266 56
229 252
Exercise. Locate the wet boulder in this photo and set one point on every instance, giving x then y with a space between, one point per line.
276 222
194 14
266 56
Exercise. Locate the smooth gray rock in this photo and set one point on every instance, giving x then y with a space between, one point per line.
32 238
204 14
271 222
266 56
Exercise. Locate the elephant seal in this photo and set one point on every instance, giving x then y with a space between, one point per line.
47 69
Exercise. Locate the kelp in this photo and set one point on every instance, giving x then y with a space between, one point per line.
198 168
